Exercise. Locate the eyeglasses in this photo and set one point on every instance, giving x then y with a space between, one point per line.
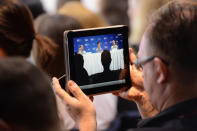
139 62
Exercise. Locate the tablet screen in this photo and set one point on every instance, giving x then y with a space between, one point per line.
98 60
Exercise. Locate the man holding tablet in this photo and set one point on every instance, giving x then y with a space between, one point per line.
166 96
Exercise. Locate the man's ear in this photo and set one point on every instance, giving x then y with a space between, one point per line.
161 70
4 126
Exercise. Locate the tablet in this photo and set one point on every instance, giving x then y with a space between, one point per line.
97 59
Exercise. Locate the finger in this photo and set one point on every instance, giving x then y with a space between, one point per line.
61 93
75 90
132 56
124 95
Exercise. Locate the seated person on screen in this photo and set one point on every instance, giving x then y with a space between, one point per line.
99 49
107 74
114 46
82 77
81 50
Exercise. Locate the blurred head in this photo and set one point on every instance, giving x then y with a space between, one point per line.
139 13
87 18
113 42
106 59
81 47
170 76
27 99
35 7
62 2
16 29
99 45
53 26
115 11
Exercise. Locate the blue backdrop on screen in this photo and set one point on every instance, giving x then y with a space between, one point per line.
90 42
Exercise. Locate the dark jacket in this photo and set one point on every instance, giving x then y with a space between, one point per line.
180 117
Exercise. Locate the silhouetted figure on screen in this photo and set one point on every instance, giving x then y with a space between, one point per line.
107 74
81 74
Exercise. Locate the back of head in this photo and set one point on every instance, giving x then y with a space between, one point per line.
16 29
35 6
53 27
106 58
62 2
115 11
172 34
79 61
87 18
26 98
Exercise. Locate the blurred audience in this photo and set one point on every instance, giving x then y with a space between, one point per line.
53 26
139 12
28 101
35 6
87 18
115 11
62 2
17 30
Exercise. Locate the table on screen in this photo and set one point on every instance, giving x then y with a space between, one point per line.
92 61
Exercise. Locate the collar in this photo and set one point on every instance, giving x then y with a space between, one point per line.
180 110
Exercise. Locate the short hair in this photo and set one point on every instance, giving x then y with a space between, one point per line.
87 18
16 29
106 58
173 33
35 6
26 97
49 25
115 11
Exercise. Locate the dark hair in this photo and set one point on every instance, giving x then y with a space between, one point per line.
172 33
106 58
53 27
115 11
35 6
26 97
79 61
16 29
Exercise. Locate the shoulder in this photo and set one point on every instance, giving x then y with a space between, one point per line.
160 129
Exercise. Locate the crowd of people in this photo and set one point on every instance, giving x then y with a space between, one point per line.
163 72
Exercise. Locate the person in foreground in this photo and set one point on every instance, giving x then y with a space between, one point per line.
28 102
164 86
27 99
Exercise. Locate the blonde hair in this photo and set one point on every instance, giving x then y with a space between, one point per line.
143 12
87 18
